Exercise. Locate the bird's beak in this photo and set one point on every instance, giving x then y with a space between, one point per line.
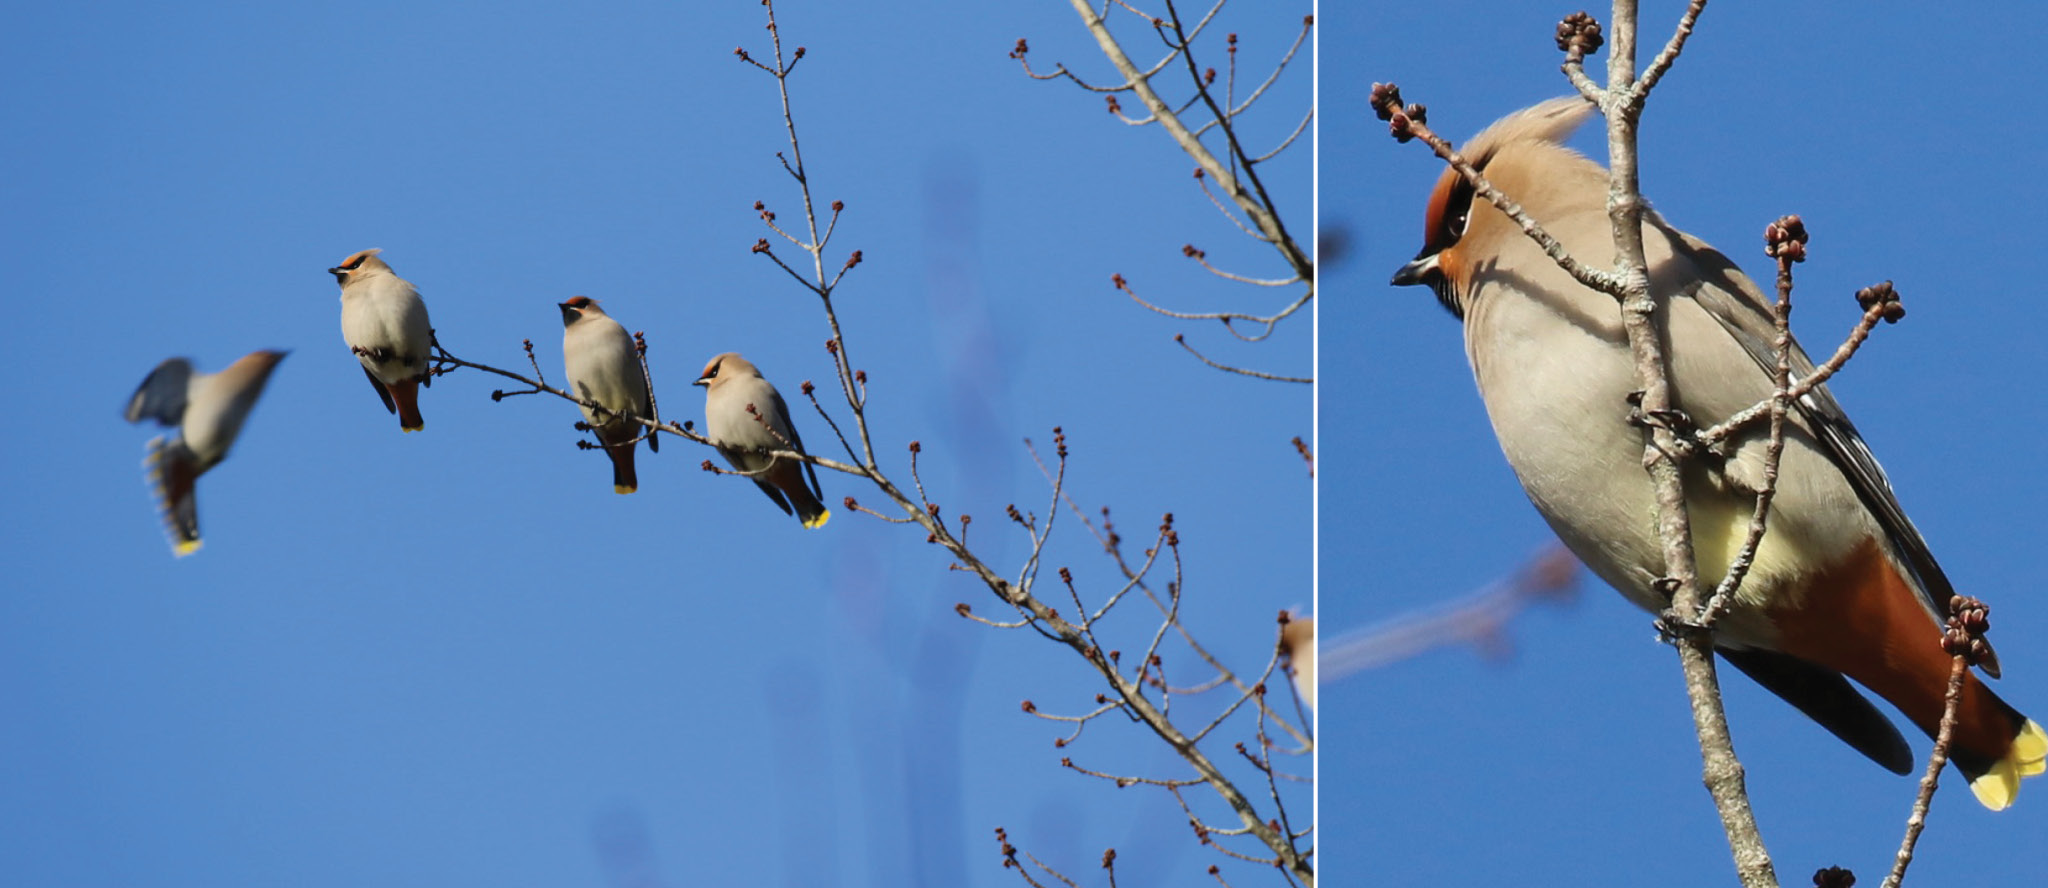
703 381
1420 271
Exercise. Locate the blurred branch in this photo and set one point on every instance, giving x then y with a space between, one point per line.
1479 619
624 849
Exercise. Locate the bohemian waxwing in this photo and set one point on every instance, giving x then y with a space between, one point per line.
385 325
1842 585
604 366
208 409
745 418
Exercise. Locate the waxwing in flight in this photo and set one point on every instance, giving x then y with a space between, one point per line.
385 324
1843 584
604 366
745 418
208 410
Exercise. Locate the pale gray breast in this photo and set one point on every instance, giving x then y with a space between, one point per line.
1555 370
1555 373
602 363
213 418
729 421
384 311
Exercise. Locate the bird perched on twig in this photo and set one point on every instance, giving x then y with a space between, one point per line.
385 324
604 366
1842 584
745 418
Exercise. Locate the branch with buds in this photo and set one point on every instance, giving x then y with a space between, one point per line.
1238 191
1963 640
1141 693
1138 692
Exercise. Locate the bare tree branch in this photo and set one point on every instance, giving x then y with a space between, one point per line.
1240 194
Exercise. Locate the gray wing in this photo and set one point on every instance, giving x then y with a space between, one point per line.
1734 300
789 425
162 396
1828 698
653 440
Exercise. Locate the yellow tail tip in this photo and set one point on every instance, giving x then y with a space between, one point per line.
411 429
2030 750
815 523
182 548
621 488
1997 788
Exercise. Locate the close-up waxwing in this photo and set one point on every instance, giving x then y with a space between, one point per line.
385 324
1842 585
208 410
745 418
604 366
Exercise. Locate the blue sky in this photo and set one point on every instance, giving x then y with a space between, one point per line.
1573 762
456 657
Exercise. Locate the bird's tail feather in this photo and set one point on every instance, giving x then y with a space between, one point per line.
172 471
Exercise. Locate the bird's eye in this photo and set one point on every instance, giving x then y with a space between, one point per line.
1450 212
354 265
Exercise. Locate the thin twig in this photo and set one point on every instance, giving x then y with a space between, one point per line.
1112 546
1721 768
1668 56
1406 125
1256 374
1785 241
1227 317
1878 310
1299 128
1936 760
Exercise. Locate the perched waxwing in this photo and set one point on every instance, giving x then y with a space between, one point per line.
208 410
385 324
1843 584
1298 645
745 418
604 366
